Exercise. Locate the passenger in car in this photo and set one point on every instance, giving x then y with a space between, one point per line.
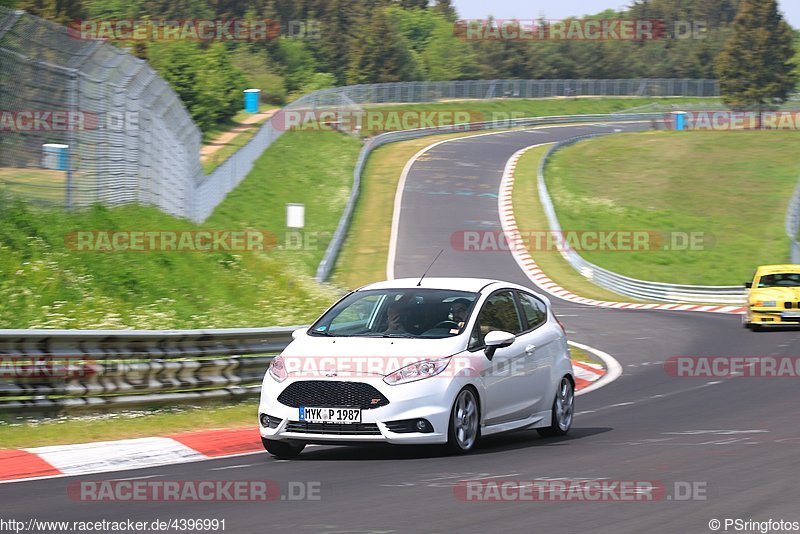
396 318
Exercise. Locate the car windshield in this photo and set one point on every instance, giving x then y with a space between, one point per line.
780 280
411 313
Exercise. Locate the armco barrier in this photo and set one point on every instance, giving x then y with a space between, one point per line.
793 225
624 285
52 371
334 247
208 191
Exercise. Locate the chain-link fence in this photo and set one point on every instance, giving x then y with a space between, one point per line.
85 122
228 175
409 92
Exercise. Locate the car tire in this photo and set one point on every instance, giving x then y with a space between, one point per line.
283 450
754 327
562 412
464 428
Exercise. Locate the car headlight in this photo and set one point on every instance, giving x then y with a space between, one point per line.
417 371
277 369
766 304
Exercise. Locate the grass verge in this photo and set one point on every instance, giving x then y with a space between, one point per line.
730 188
44 283
66 430
583 356
530 217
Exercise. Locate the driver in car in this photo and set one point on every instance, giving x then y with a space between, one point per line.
458 311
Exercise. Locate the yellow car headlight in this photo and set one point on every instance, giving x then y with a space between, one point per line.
765 304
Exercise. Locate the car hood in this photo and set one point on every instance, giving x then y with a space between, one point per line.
775 293
319 355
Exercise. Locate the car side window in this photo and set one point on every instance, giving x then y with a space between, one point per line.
534 309
499 312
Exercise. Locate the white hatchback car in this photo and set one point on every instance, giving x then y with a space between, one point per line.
439 360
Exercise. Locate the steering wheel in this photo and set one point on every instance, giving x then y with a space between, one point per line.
446 324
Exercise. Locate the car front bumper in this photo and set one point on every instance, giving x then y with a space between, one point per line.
430 399
773 317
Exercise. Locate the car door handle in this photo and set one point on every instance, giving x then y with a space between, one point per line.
529 349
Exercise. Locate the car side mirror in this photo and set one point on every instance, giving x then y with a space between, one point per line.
748 285
497 339
297 333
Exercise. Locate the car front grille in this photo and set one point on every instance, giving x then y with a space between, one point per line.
335 429
329 394
790 305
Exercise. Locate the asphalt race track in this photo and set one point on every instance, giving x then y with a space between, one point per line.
737 439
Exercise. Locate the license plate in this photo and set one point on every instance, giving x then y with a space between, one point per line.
329 415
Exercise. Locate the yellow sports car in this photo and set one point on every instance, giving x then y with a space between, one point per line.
773 297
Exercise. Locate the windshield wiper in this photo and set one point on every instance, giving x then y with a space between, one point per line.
391 335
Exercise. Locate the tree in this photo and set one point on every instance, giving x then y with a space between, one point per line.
446 9
755 67
298 61
410 4
341 28
384 54
61 11
205 79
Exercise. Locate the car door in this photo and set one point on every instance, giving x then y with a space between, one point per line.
540 341
504 394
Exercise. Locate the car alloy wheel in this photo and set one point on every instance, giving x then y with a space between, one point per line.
563 410
464 422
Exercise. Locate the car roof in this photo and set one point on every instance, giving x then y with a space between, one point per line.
772 269
474 285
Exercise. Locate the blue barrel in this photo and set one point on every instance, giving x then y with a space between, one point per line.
55 156
251 99
680 120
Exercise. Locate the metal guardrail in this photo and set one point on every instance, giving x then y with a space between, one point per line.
624 285
211 190
54 371
328 262
431 91
793 225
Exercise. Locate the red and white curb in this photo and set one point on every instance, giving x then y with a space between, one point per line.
591 376
541 280
122 455
54 461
